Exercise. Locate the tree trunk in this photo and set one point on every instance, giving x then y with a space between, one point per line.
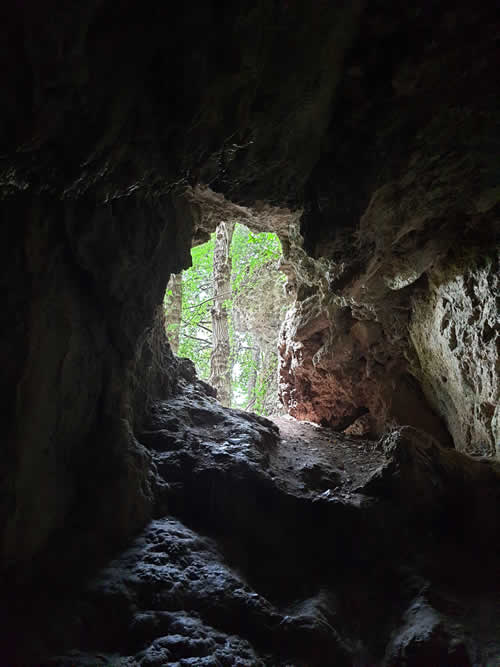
252 382
220 366
268 378
173 310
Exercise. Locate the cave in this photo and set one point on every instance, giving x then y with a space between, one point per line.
142 523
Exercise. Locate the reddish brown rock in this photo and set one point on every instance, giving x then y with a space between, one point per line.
401 216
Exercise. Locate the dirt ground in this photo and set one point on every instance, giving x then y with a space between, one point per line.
313 459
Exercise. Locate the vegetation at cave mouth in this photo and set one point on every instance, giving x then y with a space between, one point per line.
253 303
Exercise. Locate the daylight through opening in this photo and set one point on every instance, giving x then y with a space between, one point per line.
225 313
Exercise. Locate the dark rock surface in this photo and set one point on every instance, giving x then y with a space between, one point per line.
400 320
268 562
111 116
172 598
126 131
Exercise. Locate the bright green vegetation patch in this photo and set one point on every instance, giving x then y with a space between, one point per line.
255 305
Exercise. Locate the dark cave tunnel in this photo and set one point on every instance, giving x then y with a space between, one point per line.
142 523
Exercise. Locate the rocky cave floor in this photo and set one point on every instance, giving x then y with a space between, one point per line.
310 459
284 543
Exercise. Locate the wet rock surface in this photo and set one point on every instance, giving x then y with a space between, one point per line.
284 543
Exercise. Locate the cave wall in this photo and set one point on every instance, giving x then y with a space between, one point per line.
86 363
111 115
397 320
378 120
454 332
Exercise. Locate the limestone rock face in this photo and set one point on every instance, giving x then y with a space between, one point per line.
366 136
111 117
400 213
343 356
128 129
455 333
419 349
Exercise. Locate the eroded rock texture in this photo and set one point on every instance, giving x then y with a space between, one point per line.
127 130
301 567
402 207
110 113
454 331
344 358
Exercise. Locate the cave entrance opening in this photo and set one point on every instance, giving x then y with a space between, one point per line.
225 313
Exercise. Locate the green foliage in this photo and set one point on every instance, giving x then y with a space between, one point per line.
249 252
253 257
254 270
